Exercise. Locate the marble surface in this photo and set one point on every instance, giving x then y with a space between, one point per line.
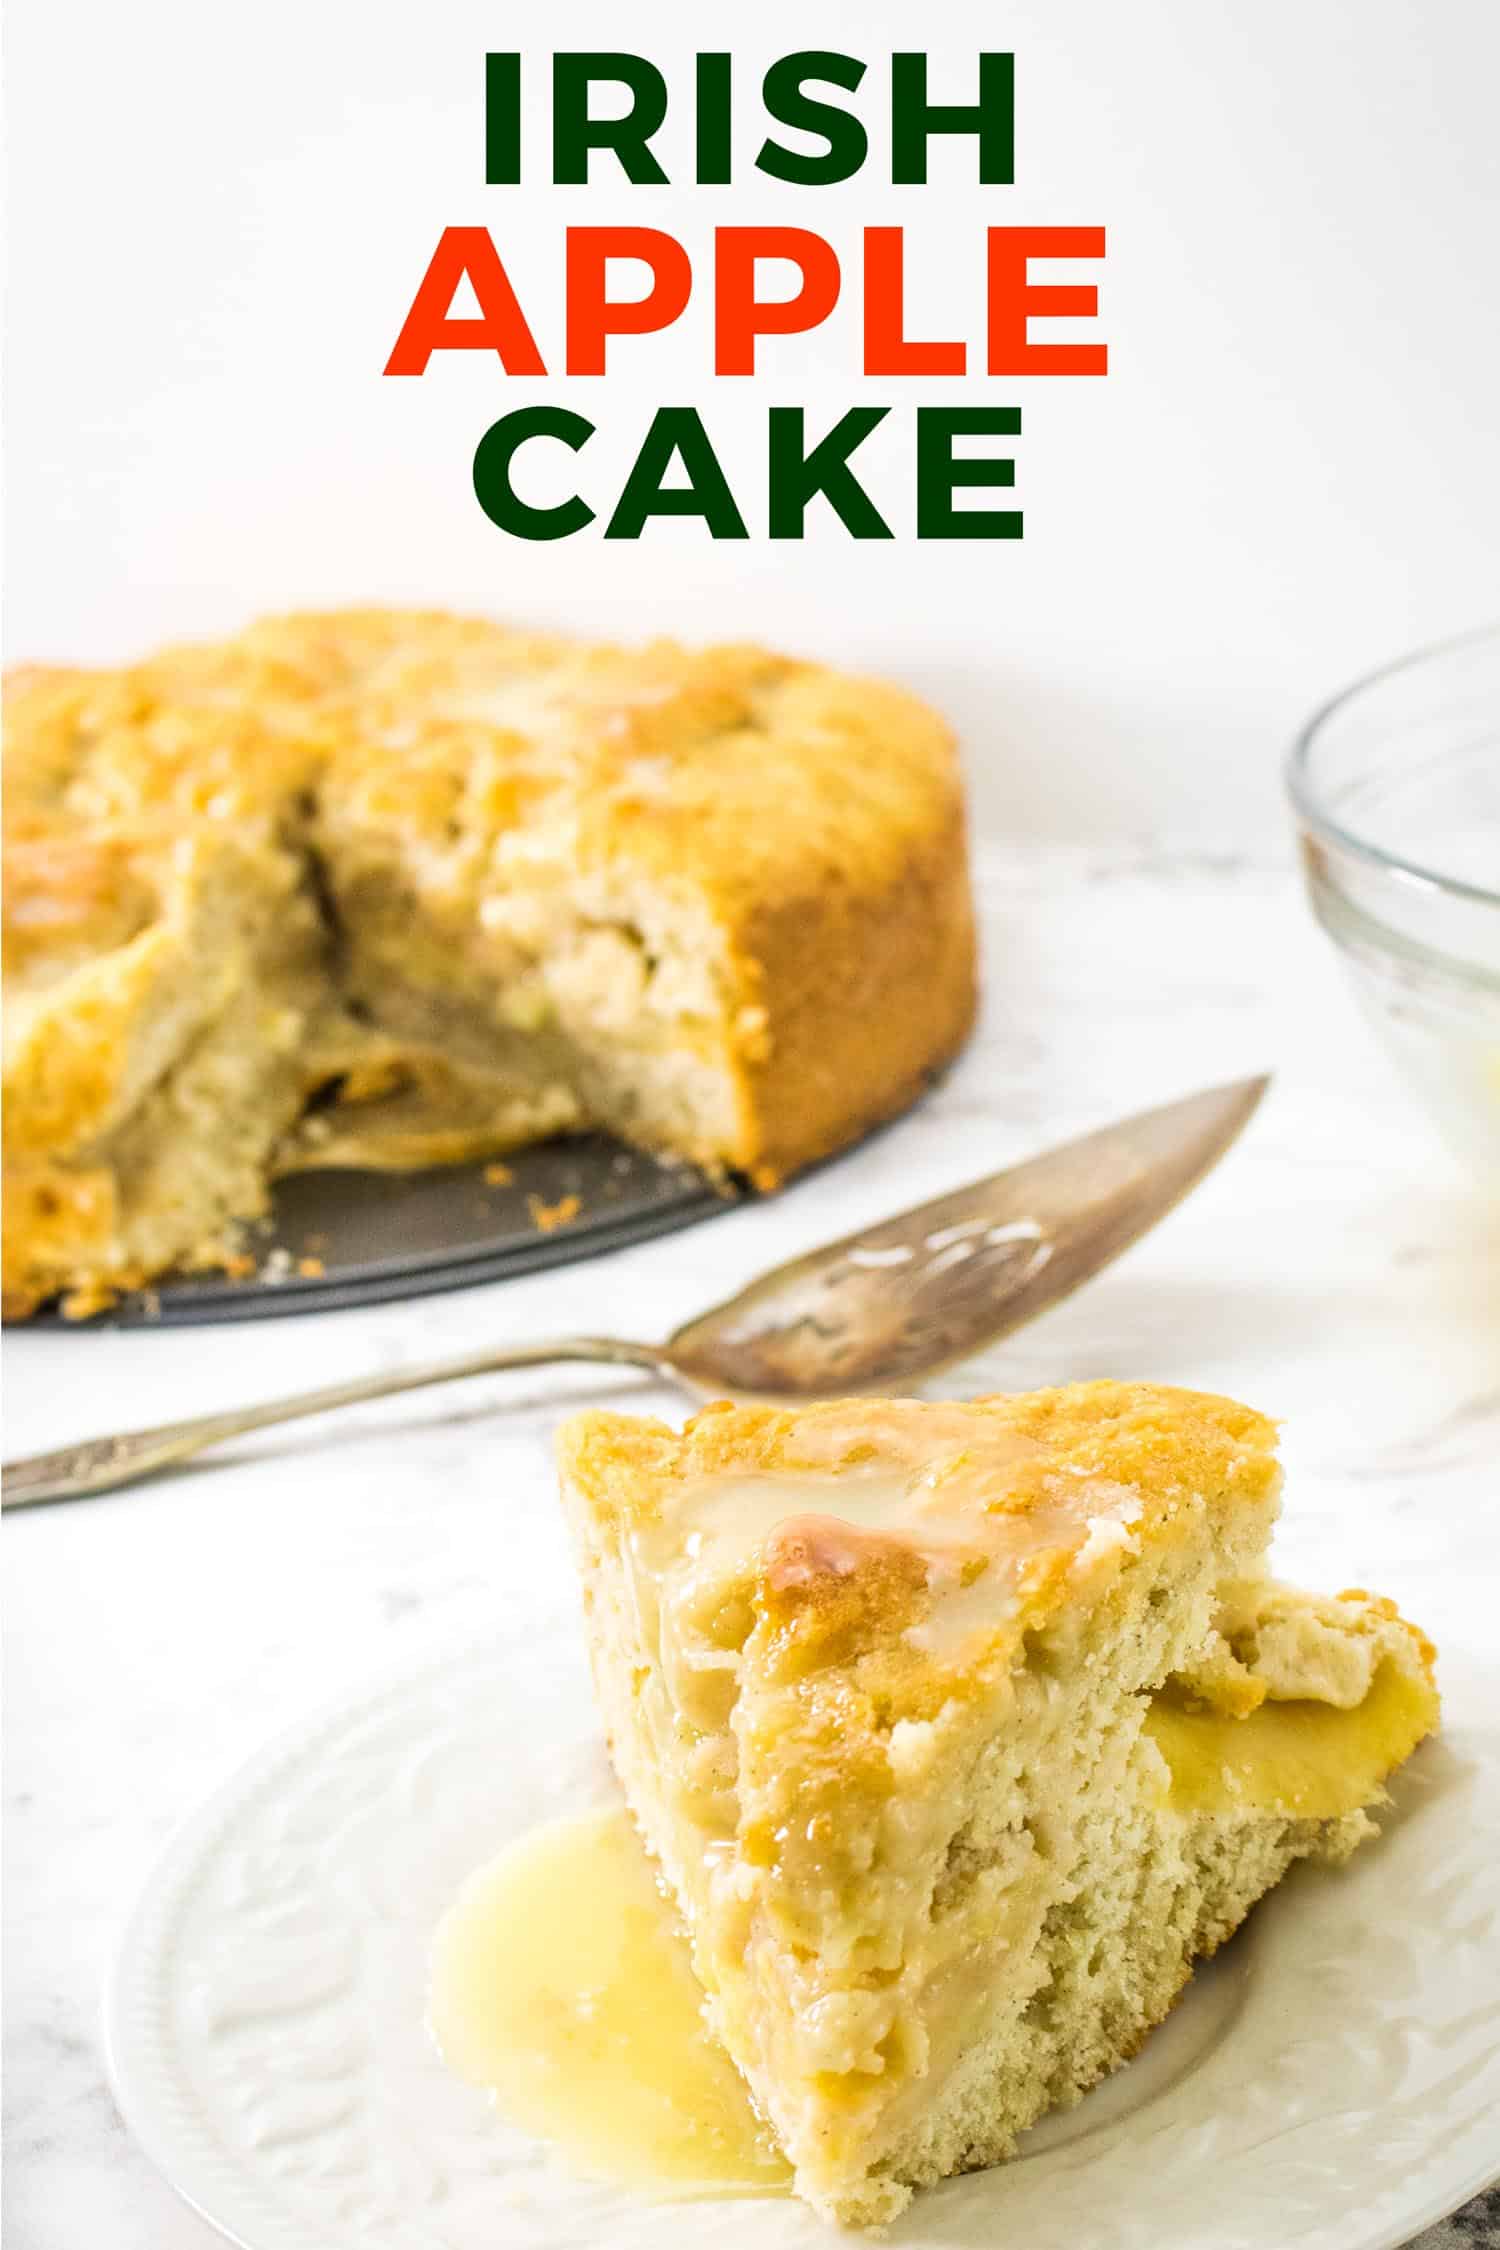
1336 1270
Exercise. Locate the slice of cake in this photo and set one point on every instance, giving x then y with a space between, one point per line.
960 1732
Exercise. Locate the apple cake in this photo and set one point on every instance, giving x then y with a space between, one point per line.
959 1732
399 888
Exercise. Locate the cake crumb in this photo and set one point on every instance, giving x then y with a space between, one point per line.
311 1269
498 1175
547 1217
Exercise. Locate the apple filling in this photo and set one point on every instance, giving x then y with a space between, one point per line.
1305 1759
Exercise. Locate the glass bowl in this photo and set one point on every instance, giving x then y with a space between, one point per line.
1396 787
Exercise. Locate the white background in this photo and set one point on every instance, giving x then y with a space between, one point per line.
1291 472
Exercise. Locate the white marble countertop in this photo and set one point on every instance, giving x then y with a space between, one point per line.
1337 1270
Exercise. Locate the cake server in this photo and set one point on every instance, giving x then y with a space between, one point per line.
879 1310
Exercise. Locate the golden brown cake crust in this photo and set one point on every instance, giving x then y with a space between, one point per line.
805 828
1011 1487
1161 1440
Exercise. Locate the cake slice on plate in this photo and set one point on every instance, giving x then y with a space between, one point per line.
960 1732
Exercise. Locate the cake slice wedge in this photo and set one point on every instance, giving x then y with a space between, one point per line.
959 1733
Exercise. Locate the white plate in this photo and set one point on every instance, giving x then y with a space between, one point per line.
1332 2083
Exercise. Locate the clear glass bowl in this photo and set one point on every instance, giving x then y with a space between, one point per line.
1396 786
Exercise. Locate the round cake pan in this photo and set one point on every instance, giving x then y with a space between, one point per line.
342 1238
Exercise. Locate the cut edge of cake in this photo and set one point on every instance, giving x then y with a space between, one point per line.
147 1081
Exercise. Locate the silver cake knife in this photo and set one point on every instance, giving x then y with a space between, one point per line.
879 1310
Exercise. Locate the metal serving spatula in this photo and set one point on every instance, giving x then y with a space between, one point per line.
878 1311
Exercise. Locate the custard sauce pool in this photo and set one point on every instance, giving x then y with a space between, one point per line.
562 1984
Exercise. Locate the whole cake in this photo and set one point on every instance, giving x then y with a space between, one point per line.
398 888
959 1733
